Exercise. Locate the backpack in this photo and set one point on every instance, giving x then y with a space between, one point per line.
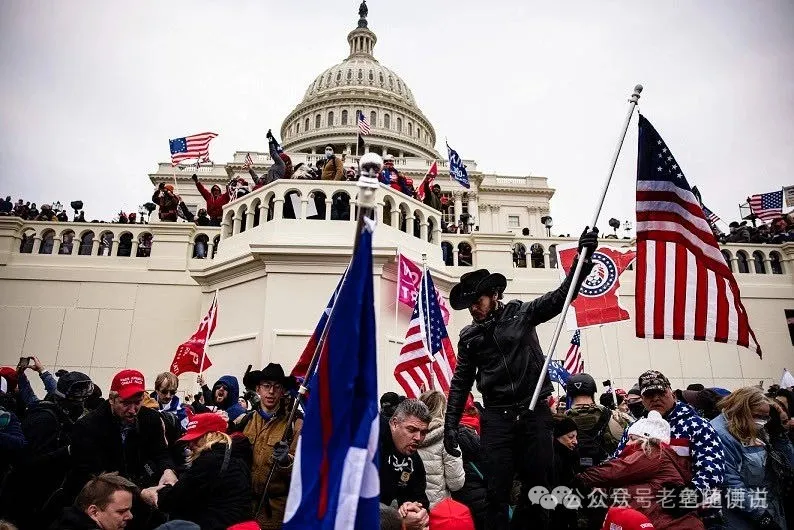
591 442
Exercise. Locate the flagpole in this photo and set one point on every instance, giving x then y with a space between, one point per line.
368 182
397 300
580 262
426 318
204 349
609 364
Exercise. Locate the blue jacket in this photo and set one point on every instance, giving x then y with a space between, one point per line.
230 404
26 393
175 407
745 476
705 449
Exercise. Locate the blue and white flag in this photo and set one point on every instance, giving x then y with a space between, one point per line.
558 373
456 168
335 483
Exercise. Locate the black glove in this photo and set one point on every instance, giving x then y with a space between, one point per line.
161 186
451 442
766 522
281 453
588 242
194 177
269 136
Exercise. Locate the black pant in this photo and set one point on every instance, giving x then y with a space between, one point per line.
517 441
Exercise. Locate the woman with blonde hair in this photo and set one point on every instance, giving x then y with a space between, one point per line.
215 490
445 473
756 466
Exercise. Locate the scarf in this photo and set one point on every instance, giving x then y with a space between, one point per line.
471 421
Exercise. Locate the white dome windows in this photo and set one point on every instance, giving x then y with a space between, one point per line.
349 75
338 76
399 125
373 119
317 119
410 129
330 118
344 117
386 121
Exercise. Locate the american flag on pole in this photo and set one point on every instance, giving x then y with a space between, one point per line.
711 217
427 359
573 359
363 124
195 146
248 161
767 206
684 288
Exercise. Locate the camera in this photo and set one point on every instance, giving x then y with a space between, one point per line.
607 383
25 362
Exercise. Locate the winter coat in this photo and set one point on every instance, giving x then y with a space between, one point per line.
475 487
214 204
74 518
505 356
642 478
264 435
167 202
333 169
430 198
97 447
566 465
231 404
700 439
444 473
746 472
174 407
402 477
210 494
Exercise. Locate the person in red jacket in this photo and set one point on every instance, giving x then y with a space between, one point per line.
647 476
215 198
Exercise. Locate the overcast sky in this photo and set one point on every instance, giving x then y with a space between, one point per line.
90 91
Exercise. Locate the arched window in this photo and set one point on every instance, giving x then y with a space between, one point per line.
26 245
200 246
552 256
741 263
344 117
297 127
125 245
536 256
373 119
399 125
464 254
317 121
331 119
727 256
775 263
520 256
86 241
760 266
306 125
418 132
447 253
215 244
410 129
47 242
386 121
144 245
67 243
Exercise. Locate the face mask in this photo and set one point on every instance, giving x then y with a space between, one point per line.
636 409
760 423
329 154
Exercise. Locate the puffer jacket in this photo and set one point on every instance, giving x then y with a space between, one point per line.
333 169
444 472
503 353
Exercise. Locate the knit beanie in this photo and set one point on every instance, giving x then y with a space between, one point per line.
653 426
564 426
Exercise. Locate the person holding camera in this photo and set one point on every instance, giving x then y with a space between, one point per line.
500 350
167 201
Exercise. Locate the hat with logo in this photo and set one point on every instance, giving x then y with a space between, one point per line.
653 426
653 380
127 383
201 424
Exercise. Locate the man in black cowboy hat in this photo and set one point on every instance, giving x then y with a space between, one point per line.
500 350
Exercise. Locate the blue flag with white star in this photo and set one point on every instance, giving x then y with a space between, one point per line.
456 168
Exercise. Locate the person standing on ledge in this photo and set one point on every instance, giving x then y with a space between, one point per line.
500 350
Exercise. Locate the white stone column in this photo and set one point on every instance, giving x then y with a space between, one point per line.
395 217
278 205
423 230
210 247
379 213
495 218
304 207
483 208
458 196
409 225
353 203
76 245
36 244
224 228
94 247
114 248
56 245
134 249
236 225
437 231
249 218
473 211
263 212
328 203
546 255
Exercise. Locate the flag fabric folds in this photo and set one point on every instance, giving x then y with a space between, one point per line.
573 359
189 354
456 168
409 277
767 206
427 359
363 124
248 161
431 175
335 483
684 288
558 373
195 146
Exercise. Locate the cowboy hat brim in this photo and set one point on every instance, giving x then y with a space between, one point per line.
464 295
255 377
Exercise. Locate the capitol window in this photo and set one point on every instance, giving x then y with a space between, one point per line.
373 119
386 121
317 121
297 127
331 119
344 117
399 125
306 125
410 129
349 75
513 221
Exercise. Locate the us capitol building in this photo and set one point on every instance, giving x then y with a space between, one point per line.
101 297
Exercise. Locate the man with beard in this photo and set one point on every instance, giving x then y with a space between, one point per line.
223 398
500 350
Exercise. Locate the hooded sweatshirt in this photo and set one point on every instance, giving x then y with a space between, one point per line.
230 404
214 204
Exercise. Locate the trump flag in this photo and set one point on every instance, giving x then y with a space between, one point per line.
335 482
191 356
409 276
597 302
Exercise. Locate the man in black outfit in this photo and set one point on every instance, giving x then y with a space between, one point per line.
500 350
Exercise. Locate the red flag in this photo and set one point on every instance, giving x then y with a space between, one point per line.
430 177
597 302
409 276
189 354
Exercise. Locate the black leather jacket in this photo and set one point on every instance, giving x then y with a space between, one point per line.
503 353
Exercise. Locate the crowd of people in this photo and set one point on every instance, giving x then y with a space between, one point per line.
779 230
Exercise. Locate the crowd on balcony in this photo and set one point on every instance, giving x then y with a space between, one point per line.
779 230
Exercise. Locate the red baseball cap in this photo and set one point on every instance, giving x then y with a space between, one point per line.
128 383
201 424
451 515
626 519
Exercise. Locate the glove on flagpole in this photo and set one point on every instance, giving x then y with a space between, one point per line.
578 271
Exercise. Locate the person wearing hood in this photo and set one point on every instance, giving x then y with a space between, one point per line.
215 198
167 201
334 168
215 490
646 466
265 428
280 169
224 396
566 465
444 473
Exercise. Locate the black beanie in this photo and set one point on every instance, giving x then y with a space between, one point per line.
564 426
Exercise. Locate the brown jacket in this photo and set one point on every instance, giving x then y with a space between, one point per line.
643 477
264 435
334 169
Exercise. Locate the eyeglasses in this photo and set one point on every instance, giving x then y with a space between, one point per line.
275 387
167 391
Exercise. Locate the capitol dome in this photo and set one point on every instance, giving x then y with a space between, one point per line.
327 114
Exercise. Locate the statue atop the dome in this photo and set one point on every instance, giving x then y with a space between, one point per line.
362 13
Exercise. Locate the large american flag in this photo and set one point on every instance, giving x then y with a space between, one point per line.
573 359
195 146
363 124
427 359
767 206
684 288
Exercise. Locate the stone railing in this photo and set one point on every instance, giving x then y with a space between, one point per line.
329 201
